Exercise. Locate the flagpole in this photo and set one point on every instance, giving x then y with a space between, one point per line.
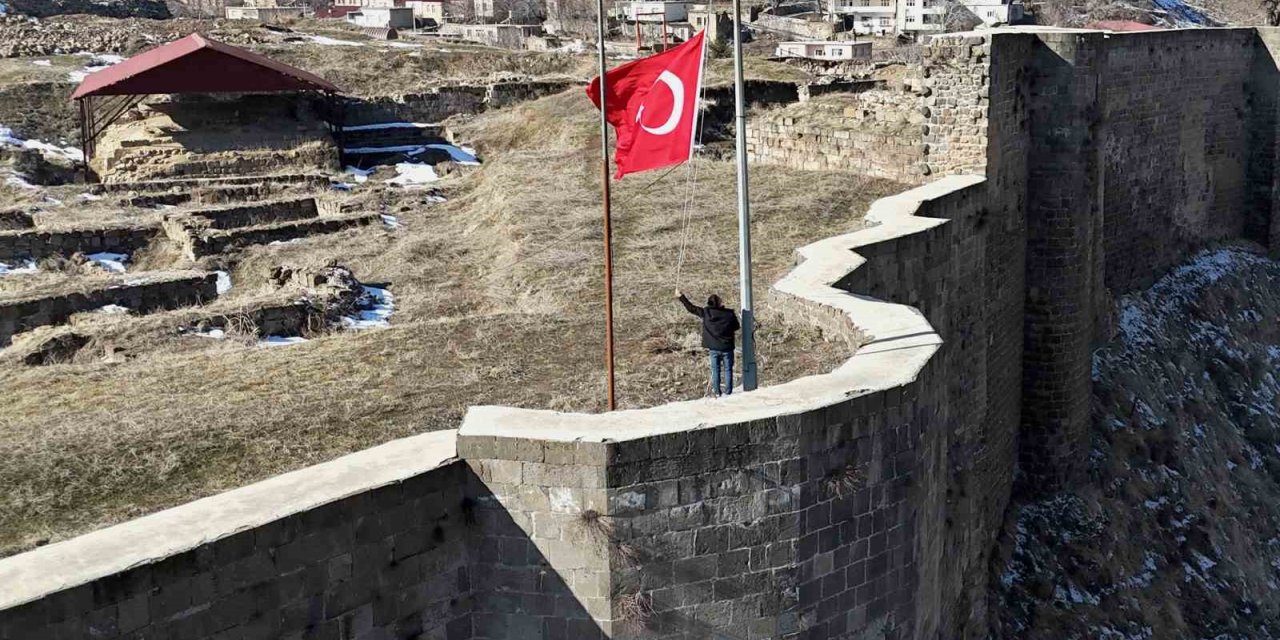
744 209
608 231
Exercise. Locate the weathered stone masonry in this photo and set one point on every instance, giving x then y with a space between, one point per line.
154 292
42 243
861 501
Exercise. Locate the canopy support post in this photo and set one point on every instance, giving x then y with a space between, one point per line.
85 141
92 124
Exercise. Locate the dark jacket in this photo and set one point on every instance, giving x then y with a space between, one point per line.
718 325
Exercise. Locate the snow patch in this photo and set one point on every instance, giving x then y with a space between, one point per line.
376 306
359 175
97 62
111 310
21 267
334 42
223 284
42 63
280 341
19 180
460 155
413 174
391 221
9 139
388 125
113 262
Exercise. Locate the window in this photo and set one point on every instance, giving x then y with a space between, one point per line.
911 18
911 3
884 22
835 51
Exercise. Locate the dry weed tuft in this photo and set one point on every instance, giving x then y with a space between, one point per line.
844 481
633 609
599 526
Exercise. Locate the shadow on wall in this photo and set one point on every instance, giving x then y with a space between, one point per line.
518 592
231 122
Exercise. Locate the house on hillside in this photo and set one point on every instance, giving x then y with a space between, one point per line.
825 50
427 12
718 24
268 11
506 36
382 17
919 18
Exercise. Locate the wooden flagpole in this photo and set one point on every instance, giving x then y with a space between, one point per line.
608 231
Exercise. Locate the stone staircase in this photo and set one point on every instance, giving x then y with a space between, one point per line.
214 190
136 293
382 143
213 231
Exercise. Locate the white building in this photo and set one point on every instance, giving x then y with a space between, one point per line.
382 17
825 50
867 16
654 10
918 17
427 9
508 11
264 14
993 12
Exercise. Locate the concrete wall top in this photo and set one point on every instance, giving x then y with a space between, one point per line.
46 570
896 341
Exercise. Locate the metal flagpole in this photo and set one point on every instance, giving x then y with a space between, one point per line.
608 232
744 209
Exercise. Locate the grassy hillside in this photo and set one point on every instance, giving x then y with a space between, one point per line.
498 297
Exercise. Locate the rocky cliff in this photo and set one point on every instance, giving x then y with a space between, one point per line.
1174 535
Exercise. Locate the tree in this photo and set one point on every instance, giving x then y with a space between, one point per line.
957 17
1272 7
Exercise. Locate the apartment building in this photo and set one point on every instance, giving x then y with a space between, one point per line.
868 17
826 50
919 17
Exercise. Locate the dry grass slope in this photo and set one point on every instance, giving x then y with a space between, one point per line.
498 301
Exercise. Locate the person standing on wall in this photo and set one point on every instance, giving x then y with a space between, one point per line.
719 324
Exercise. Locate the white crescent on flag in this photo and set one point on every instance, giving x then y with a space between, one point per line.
677 105
657 134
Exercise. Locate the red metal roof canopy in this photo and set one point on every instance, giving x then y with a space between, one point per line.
196 64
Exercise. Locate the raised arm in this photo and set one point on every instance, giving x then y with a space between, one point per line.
689 306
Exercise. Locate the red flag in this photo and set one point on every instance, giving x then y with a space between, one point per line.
653 106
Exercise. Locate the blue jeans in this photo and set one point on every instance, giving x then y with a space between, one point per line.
718 359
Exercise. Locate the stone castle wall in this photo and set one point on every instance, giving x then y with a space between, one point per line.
438 104
373 547
874 133
862 501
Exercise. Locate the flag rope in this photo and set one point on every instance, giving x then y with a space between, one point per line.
691 179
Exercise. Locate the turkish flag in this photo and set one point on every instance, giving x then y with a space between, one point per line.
652 104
